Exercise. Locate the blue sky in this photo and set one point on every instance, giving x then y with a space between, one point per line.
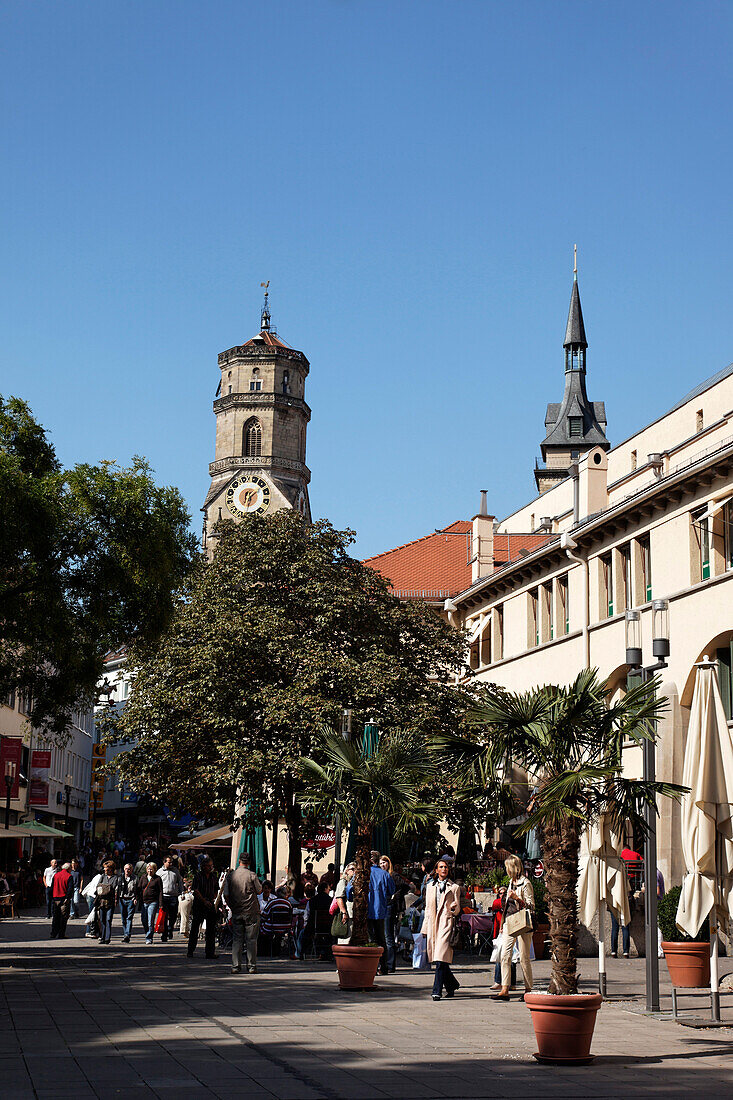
411 177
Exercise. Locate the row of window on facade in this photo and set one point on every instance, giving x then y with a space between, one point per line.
82 719
625 581
255 382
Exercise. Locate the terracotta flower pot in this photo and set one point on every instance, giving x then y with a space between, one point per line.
356 965
563 1025
688 963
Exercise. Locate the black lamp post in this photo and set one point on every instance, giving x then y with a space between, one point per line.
9 781
68 780
346 717
660 650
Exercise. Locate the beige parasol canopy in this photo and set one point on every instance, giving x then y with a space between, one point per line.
707 810
602 877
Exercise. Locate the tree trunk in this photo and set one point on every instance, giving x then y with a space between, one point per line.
362 874
561 849
293 820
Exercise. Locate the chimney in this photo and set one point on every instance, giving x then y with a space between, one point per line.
593 483
482 542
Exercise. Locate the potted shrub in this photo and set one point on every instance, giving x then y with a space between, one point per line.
688 960
568 740
370 786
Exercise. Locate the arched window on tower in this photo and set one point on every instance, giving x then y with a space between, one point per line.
252 438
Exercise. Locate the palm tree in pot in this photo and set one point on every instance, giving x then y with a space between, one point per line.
370 786
569 740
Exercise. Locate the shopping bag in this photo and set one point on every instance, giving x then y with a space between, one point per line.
160 920
420 952
496 949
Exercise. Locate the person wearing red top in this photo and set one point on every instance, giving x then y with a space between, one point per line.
63 888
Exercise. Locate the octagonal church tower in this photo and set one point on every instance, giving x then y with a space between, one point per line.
261 420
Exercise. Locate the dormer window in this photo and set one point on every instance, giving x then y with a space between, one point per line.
576 427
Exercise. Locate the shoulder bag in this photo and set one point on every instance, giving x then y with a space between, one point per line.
518 922
339 926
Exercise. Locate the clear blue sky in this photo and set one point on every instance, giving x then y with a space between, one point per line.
411 177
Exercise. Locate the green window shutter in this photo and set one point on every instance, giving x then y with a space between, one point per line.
725 679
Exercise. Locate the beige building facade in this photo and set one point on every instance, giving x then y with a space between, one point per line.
650 518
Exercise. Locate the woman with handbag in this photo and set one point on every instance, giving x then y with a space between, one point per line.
517 926
442 907
342 908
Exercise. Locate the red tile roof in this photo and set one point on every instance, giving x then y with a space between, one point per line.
271 339
437 565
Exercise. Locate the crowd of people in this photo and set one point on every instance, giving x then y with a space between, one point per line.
181 894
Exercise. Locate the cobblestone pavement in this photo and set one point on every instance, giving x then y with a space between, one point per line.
81 1020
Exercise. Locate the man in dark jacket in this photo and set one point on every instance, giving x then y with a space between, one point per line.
205 892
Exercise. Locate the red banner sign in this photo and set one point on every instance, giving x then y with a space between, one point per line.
40 768
320 840
11 752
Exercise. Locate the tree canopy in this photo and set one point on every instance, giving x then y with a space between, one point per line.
269 640
89 560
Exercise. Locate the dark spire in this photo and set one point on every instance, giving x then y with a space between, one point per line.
575 332
265 319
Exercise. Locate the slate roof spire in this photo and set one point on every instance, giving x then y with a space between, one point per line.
575 330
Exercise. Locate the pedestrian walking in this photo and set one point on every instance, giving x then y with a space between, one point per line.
205 890
62 890
150 892
105 899
127 894
442 904
241 889
516 925
76 879
381 890
345 907
185 908
170 876
48 876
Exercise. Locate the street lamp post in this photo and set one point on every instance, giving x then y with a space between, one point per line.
346 717
68 780
660 650
9 781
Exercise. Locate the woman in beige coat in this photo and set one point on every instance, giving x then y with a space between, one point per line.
519 895
442 904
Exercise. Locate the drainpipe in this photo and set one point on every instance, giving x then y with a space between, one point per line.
570 546
574 471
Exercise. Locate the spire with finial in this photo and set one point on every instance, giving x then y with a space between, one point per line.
575 342
265 314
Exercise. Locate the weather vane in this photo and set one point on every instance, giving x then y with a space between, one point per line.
575 263
265 315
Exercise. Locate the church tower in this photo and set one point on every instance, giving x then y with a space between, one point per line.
261 419
575 424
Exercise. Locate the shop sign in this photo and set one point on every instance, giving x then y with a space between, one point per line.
539 869
319 840
40 769
11 752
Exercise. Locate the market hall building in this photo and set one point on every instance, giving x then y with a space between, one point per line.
545 589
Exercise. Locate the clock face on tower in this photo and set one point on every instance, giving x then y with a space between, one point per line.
247 496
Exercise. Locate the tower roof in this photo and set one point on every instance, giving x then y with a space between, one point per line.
575 331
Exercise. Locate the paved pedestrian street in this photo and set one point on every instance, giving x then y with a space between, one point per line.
81 1020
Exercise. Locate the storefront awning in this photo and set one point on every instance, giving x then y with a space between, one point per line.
219 837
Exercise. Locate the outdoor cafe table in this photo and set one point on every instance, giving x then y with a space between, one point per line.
478 922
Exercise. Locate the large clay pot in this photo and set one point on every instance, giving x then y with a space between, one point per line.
356 965
688 963
539 936
563 1025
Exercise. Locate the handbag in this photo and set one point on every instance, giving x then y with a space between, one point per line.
456 932
333 907
518 922
339 926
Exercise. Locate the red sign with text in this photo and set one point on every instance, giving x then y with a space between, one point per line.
11 752
40 768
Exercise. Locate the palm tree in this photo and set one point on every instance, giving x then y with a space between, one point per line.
569 741
371 787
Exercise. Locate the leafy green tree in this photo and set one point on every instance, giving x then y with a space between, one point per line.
89 559
270 639
569 741
380 787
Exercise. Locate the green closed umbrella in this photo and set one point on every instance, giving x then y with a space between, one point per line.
254 841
